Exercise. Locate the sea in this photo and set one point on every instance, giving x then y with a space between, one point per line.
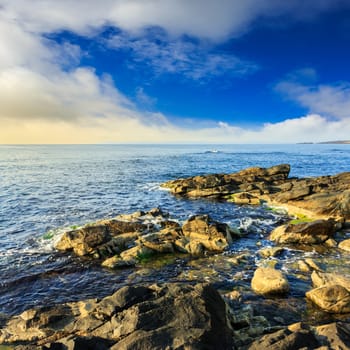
47 189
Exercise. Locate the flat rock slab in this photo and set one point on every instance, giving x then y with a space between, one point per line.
171 315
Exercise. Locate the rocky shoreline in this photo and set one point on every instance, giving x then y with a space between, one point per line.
193 315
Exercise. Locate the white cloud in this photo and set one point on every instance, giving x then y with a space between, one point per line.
45 97
211 19
330 100
193 60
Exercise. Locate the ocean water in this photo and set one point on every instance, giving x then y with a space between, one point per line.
50 188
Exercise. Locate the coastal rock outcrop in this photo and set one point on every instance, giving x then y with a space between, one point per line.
314 232
122 241
320 197
171 315
268 281
332 292
333 335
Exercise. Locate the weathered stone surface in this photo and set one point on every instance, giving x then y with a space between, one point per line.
268 281
270 251
324 196
332 298
314 232
297 336
336 335
285 339
320 279
345 245
168 316
212 235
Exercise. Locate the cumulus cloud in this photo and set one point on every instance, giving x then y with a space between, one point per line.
46 97
330 100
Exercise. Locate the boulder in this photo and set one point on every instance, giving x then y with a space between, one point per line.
345 245
314 232
332 298
214 236
320 279
336 335
270 251
164 316
268 281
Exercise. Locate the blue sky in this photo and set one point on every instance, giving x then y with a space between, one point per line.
185 71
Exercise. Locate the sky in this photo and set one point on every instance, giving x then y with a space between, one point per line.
166 71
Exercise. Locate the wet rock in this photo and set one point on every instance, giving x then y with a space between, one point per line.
314 232
268 281
345 245
285 339
115 262
335 335
270 252
243 198
320 279
321 197
172 315
214 236
332 298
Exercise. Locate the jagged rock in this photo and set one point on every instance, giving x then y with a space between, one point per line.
167 316
345 245
268 281
337 335
270 251
307 265
314 232
285 339
334 335
324 196
320 279
214 236
332 298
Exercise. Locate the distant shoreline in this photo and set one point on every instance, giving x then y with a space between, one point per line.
344 142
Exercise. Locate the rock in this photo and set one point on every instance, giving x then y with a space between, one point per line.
321 197
195 247
117 262
165 316
268 281
331 243
243 198
131 255
336 334
270 251
285 339
314 232
214 236
331 298
85 240
320 279
345 245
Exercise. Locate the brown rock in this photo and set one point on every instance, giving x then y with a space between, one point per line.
320 279
331 298
166 316
268 281
337 335
345 245
314 232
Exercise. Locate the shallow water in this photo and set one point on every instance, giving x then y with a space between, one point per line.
50 188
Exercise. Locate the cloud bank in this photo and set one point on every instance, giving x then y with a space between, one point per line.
46 97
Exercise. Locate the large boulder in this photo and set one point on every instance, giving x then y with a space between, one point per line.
320 279
268 281
332 298
345 245
168 316
314 232
213 235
